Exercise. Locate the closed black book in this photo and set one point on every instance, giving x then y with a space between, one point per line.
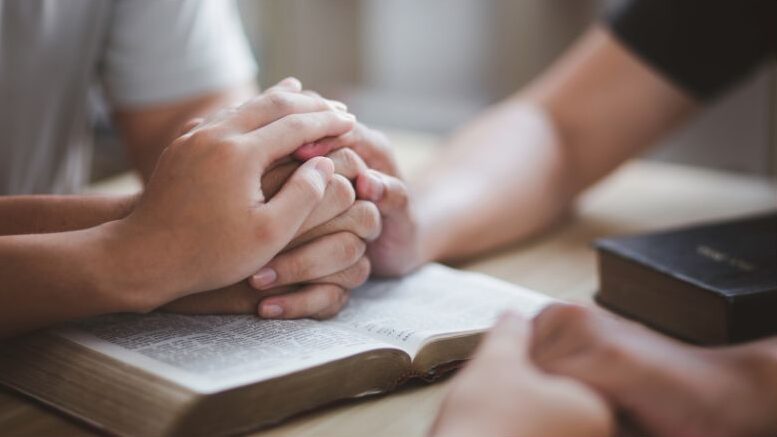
709 284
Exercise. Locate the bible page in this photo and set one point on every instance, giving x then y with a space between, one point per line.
212 353
435 301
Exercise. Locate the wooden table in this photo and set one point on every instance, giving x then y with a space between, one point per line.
641 196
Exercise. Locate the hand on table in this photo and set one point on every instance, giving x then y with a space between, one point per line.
667 387
316 270
502 393
396 251
313 275
203 221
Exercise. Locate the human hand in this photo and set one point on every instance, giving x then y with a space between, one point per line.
501 393
316 270
397 250
203 221
667 387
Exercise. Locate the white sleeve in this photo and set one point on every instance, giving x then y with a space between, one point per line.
159 51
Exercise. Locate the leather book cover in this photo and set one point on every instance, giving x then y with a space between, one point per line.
707 284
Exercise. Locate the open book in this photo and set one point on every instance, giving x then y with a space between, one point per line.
166 374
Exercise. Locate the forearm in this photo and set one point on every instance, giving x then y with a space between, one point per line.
46 214
147 131
48 278
503 177
516 169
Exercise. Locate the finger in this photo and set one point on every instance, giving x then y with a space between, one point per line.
387 192
273 179
318 301
239 298
290 84
319 258
336 104
371 145
509 339
338 197
362 219
325 146
350 278
189 125
281 217
558 330
266 108
347 163
311 93
283 136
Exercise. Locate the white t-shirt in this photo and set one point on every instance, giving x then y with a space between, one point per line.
143 52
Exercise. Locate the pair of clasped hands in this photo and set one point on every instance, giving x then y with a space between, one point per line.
265 208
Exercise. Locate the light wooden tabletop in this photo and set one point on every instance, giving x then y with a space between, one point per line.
641 196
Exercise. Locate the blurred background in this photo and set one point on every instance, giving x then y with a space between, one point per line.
429 66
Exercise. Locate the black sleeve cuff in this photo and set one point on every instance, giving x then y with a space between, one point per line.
703 46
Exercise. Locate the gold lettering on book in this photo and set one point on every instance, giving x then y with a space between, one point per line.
721 257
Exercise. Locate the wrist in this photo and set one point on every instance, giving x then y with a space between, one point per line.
129 272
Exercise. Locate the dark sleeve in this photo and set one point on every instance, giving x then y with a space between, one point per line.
703 46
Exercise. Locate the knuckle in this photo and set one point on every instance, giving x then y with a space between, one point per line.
361 272
225 150
337 298
352 248
351 161
268 230
204 136
367 218
334 295
292 269
297 122
343 191
280 101
309 185
401 196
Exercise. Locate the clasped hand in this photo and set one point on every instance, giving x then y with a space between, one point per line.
227 202
237 218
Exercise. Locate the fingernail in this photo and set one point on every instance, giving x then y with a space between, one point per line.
338 105
264 277
377 186
326 167
347 116
291 80
271 311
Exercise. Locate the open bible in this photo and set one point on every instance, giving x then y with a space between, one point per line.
166 374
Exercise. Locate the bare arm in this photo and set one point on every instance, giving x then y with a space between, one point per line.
55 277
174 242
520 165
147 131
45 214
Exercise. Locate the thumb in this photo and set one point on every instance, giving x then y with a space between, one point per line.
290 84
388 193
189 125
297 198
508 339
